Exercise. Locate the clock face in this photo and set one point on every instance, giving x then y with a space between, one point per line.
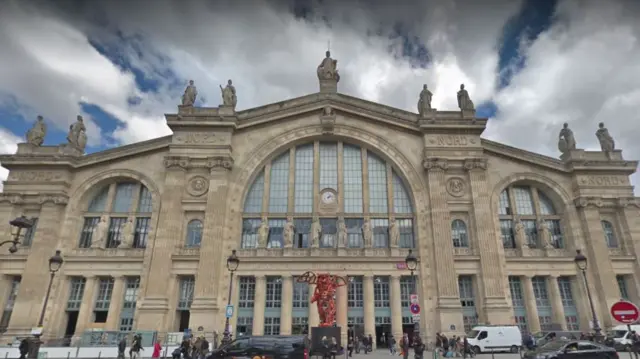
328 197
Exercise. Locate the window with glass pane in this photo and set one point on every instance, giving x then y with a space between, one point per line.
507 233
459 234
572 322
9 304
279 184
276 233
299 325
329 232
271 326
250 227
383 320
247 292
622 286
407 288
354 232
609 234
76 292
465 286
515 286
302 229
545 322
253 204
540 292
141 235
401 201
116 231
124 197
564 284
555 233
304 179
377 184
469 321
88 229
355 295
185 294
194 233
505 203
381 292
531 233
99 202
546 206
27 240
380 229
405 229
274 292
103 299
352 179
132 286
244 326
524 200
521 321
329 166
300 294
145 200
355 321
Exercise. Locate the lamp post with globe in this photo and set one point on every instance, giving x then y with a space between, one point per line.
581 263
19 226
232 264
412 264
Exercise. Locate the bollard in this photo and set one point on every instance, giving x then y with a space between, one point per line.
492 355
99 354
6 355
68 355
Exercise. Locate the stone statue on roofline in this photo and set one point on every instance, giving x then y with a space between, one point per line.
424 101
77 136
328 68
464 101
36 134
607 144
190 94
566 141
229 97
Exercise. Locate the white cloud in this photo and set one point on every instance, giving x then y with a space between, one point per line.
8 144
583 71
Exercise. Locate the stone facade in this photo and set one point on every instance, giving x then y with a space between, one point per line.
467 220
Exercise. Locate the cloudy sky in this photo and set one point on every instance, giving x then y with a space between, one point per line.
529 65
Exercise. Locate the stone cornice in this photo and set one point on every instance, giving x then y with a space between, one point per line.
472 164
521 155
211 163
435 164
602 202
19 199
59 199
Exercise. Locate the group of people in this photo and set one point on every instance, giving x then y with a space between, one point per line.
403 347
192 348
456 346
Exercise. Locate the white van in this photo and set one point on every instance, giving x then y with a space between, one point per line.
621 334
495 338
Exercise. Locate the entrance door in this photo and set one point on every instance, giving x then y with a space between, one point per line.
380 329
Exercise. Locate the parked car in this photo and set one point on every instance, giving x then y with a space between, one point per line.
268 346
495 338
571 349
544 337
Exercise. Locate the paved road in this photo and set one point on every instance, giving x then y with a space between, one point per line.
384 354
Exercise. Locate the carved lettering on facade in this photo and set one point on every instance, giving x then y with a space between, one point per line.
452 141
604 181
197 139
36 176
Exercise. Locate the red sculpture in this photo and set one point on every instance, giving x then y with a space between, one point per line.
324 294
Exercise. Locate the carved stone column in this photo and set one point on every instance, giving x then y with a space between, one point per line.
628 209
172 287
396 307
582 302
533 321
491 255
115 306
155 303
369 309
259 302
342 307
314 317
602 280
287 304
35 277
446 278
209 278
86 308
556 302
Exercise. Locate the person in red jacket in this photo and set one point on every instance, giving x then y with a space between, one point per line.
157 348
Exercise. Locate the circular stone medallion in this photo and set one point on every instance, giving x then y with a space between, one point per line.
198 185
455 186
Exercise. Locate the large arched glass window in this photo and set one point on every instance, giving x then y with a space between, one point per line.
459 234
609 234
118 215
533 208
314 179
194 233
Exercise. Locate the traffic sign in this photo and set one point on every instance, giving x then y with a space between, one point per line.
415 318
229 311
625 312
415 308
414 299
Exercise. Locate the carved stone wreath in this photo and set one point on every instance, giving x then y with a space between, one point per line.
455 186
198 185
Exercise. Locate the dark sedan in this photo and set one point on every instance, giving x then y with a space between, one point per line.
572 349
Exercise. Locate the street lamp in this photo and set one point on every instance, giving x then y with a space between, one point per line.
581 263
21 223
232 264
55 263
412 263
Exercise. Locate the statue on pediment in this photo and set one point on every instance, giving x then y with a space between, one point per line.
566 141
394 234
607 144
367 233
127 233
328 68
190 94
100 233
229 97
424 101
316 232
77 136
288 233
36 134
342 233
263 233
464 100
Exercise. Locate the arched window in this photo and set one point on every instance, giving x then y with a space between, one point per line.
194 233
118 215
459 234
328 177
609 234
532 208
